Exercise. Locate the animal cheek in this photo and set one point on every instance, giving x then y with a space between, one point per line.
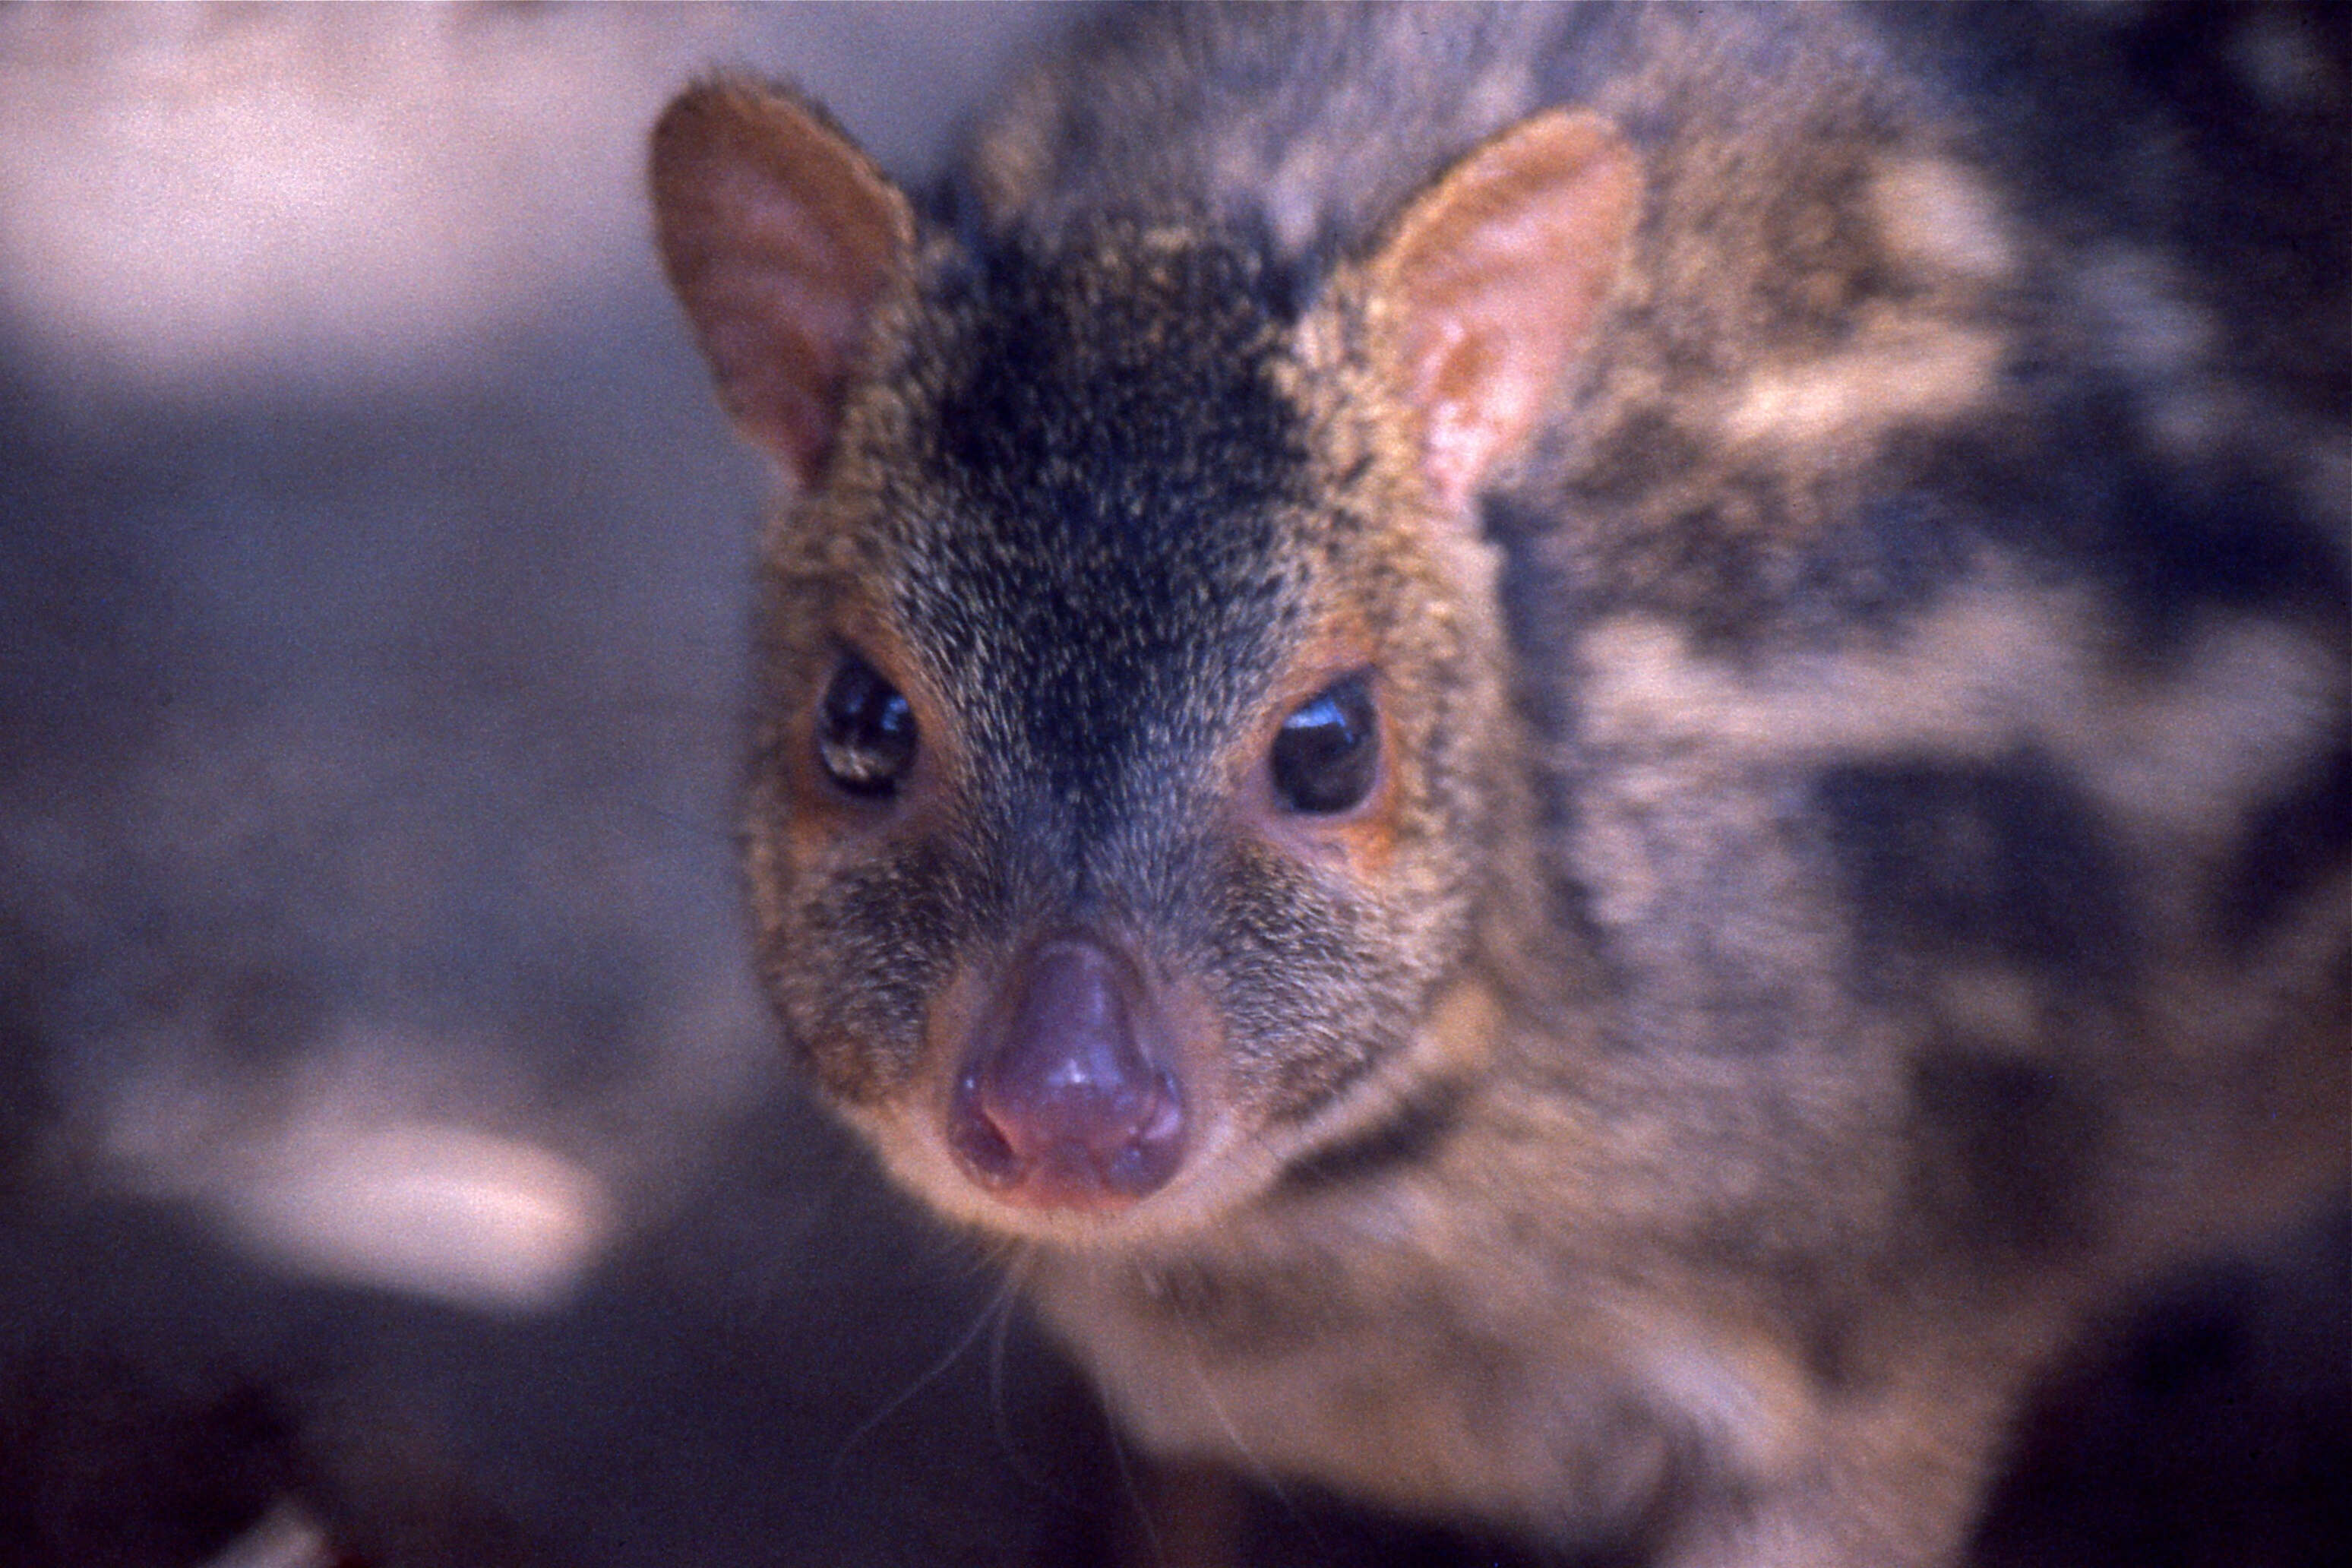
1309 996
854 957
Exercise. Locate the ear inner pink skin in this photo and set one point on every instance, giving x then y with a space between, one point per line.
779 238
1494 280
1066 1099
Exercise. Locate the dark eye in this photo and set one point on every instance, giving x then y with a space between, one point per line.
1326 754
865 731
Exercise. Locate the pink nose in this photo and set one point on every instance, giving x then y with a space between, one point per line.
1064 1100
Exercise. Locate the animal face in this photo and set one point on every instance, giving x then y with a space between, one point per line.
1105 841
1134 725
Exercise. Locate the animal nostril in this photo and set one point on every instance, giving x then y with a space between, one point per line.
1064 1101
979 1143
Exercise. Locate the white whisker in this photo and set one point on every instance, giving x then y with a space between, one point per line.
898 1401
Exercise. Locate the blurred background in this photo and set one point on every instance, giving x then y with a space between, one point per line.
392 1160
394 1163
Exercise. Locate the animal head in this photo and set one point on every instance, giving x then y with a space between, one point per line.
1131 762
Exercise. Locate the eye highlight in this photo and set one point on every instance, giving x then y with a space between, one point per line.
865 733
1326 754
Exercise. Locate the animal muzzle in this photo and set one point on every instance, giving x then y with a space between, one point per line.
1067 1096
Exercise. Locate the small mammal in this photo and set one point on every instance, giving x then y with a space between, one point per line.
1581 758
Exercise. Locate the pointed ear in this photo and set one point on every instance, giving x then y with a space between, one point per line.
1491 282
779 238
